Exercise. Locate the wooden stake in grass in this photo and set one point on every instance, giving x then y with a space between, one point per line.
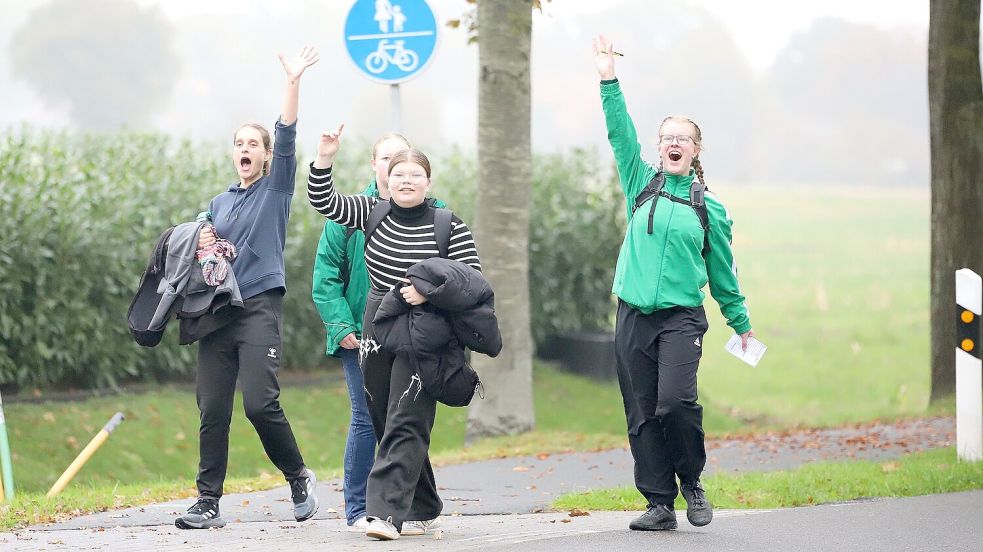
86 453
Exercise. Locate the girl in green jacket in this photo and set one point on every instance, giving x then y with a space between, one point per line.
668 256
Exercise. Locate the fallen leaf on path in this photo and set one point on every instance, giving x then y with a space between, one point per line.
565 520
245 503
520 469
578 512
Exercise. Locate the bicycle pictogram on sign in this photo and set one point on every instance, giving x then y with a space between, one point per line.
390 40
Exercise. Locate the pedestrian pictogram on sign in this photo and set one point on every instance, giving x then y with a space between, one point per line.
390 41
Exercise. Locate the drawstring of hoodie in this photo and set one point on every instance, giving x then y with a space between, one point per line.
236 202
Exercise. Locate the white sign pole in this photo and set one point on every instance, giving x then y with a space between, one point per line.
969 370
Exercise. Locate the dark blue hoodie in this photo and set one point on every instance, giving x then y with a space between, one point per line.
255 218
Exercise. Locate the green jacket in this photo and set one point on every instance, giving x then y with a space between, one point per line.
666 268
342 308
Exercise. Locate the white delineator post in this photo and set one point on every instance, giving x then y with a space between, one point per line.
969 370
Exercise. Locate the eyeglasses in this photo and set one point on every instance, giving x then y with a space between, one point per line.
403 177
681 139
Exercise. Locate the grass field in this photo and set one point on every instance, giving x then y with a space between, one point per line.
159 439
837 281
922 473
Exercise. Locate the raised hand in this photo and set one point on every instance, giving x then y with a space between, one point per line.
328 145
604 57
295 67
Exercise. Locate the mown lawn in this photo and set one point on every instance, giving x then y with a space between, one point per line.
838 285
837 282
929 472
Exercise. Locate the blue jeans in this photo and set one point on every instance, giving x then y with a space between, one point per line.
360 447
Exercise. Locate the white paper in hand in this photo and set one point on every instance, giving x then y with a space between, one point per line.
755 349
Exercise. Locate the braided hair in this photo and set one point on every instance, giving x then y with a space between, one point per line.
698 140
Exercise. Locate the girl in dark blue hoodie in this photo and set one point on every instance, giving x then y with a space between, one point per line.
252 214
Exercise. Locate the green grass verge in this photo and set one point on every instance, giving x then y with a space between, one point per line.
837 281
159 439
34 507
921 473
153 455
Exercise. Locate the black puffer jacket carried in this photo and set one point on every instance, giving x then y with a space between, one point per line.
459 313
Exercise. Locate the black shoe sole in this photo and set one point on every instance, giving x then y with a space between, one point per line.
666 527
181 524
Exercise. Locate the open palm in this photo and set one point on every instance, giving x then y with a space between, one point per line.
295 67
604 57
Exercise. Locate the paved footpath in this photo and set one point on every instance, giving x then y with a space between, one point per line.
505 503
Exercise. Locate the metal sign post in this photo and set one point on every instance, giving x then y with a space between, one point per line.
391 41
969 370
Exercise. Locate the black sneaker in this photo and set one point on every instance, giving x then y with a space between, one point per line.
304 497
658 518
699 512
203 515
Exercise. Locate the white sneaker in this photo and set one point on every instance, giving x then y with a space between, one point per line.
359 525
416 528
382 529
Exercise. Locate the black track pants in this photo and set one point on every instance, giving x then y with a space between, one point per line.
658 355
247 348
401 484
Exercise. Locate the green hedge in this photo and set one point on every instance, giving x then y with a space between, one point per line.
79 214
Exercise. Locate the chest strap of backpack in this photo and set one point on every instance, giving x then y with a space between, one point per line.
655 188
442 224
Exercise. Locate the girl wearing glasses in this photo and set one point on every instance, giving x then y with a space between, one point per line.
679 242
401 496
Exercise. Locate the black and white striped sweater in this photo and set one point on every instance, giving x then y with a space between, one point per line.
404 238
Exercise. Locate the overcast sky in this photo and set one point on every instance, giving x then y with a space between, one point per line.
439 107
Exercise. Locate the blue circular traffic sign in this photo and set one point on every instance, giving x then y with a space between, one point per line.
390 41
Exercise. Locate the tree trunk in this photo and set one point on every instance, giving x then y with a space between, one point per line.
501 224
956 113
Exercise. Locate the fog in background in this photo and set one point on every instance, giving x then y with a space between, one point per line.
820 93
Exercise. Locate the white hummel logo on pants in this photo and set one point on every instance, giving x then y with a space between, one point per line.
696 342
272 353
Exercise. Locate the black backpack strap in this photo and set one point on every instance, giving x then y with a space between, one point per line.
652 191
697 193
442 227
376 216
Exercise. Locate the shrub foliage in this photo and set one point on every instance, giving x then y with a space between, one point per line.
80 213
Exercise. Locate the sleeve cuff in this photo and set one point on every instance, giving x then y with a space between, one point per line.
319 172
609 81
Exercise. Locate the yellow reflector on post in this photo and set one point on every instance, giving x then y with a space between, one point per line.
967 344
967 316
